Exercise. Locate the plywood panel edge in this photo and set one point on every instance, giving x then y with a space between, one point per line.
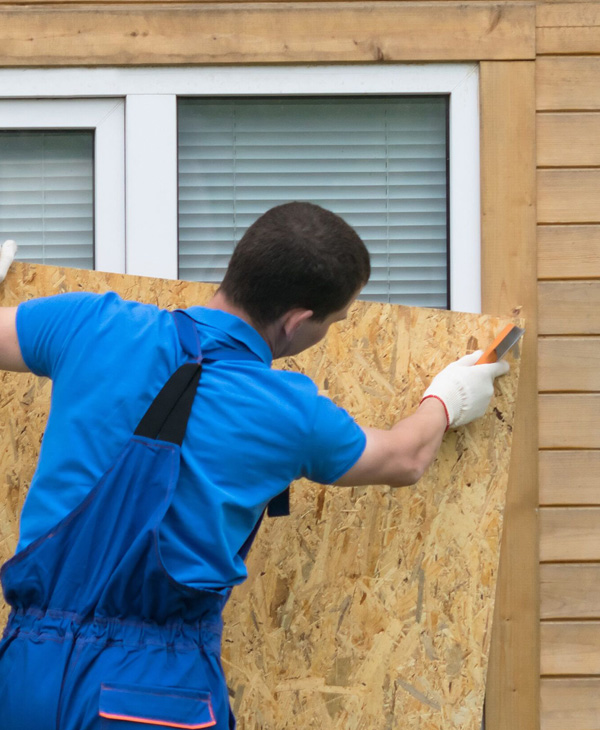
100 35
509 275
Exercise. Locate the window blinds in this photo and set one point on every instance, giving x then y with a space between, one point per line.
47 196
380 163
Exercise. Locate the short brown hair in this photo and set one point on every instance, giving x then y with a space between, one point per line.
296 255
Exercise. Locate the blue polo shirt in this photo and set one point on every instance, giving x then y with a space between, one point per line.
252 430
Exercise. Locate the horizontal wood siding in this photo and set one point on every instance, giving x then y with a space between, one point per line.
568 196
570 648
569 307
568 251
570 704
569 421
568 159
570 533
571 589
568 28
569 477
569 363
566 38
582 129
568 83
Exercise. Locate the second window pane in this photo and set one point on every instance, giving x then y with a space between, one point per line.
380 163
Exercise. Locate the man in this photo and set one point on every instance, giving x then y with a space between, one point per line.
146 498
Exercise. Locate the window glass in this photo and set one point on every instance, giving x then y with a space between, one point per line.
47 196
380 163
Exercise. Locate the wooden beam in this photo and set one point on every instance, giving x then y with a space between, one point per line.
507 96
228 2
569 421
305 32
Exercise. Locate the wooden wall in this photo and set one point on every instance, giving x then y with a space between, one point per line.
540 75
502 37
568 169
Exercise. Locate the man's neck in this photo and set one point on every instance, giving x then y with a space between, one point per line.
220 301
272 334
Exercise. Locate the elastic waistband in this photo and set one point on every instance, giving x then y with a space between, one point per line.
59 625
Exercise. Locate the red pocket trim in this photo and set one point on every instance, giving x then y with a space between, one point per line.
162 723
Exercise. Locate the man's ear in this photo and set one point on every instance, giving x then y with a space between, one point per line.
293 320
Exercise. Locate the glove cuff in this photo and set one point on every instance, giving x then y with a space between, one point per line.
451 397
437 397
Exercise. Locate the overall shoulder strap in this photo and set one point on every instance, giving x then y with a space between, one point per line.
167 417
188 337
168 414
188 334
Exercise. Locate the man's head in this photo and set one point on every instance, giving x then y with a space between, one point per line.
296 256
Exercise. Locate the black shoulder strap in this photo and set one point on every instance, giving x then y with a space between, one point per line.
167 417
279 506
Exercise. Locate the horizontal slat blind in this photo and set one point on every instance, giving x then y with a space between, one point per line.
380 163
47 196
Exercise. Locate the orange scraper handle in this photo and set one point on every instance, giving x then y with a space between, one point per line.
490 354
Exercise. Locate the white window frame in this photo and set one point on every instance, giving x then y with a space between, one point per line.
149 195
105 117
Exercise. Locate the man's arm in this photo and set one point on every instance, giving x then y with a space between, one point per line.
10 352
457 395
400 456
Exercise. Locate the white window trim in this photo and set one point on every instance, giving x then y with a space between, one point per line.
151 150
106 118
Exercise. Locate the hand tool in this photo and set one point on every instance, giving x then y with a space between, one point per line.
507 339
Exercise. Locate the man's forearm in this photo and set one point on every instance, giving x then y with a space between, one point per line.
421 434
398 456
419 437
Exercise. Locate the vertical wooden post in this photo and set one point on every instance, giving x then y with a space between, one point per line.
509 285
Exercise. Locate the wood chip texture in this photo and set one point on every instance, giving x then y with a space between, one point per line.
368 608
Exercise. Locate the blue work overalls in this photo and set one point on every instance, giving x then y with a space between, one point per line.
100 634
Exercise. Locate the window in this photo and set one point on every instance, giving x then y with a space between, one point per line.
142 225
61 179
47 196
379 162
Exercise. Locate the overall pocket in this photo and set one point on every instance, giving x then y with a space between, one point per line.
132 707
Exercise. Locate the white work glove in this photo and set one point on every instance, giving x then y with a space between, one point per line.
7 254
465 389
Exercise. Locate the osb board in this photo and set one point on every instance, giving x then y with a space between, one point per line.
368 608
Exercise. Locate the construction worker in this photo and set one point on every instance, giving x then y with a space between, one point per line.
168 436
